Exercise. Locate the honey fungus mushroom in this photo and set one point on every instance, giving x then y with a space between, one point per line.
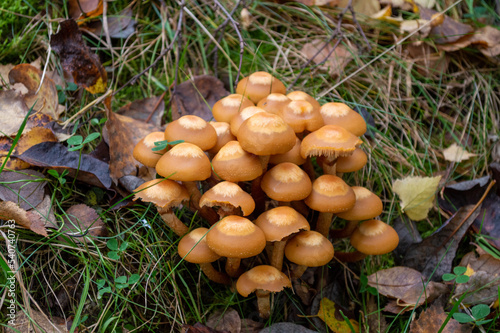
230 199
263 280
143 149
192 129
258 85
226 108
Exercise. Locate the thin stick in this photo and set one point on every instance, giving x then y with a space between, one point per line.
156 107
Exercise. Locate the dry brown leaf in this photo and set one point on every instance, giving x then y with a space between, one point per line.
145 108
10 211
46 212
433 318
43 323
45 100
365 7
486 39
329 3
77 59
428 62
484 281
335 62
406 285
84 9
83 220
25 188
422 26
449 31
225 320
121 25
416 195
456 153
13 111
123 134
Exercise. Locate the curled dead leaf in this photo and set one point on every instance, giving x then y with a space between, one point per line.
84 9
432 320
83 223
456 153
25 188
10 211
332 60
449 31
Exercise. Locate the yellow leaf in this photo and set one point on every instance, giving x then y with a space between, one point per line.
416 195
98 87
326 313
469 271
455 153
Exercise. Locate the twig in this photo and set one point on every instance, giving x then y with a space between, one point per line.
155 107
386 51
88 106
162 54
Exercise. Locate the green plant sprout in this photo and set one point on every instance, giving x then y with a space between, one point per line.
459 276
116 250
61 92
77 141
478 312
60 177
160 145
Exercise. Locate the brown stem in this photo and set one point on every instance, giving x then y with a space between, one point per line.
173 221
277 255
346 231
329 166
232 266
301 207
350 256
308 167
259 196
206 212
324 223
263 303
214 275
298 271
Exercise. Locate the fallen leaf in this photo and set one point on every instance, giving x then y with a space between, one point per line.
199 328
456 153
144 108
416 195
10 211
197 97
408 286
43 323
483 284
84 9
410 26
55 155
365 7
486 39
329 3
332 317
425 3
43 98
13 111
375 320
432 319
25 188
434 255
334 61
46 212
429 62
77 58
408 235
121 25
449 31
225 320
123 134
287 327
251 326
82 220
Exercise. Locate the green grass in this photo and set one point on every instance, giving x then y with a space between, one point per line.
416 117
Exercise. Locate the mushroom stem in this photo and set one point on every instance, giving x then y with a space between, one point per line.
301 207
173 221
308 167
277 254
329 165
350 256
298 271
324 223
207 213
214 275
346 231
232 266
259 196
263 303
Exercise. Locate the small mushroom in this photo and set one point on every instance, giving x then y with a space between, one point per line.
226 108
302 96
239 118
194 249
302 117
192 129
224 135
263 280
273 103
234 164
286 182
143 149
258 85
235 238
230 199
308 249
340 114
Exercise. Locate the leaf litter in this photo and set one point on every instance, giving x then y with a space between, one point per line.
416 195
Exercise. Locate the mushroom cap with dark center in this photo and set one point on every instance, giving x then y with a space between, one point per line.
330 194
292 156
286 182
143 149
192 129
162 192
184 162
274 103
224 135
263 277
352 163
301 116
236 237
226 108
341 115
266 134
281 222
330 141
234 164
193 247
374 237
246 113
367 206
258 85
302 96
230 195
309 248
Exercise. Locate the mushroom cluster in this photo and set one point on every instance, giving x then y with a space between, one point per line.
257 159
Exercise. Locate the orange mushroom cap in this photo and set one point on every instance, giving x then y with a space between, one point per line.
374 237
